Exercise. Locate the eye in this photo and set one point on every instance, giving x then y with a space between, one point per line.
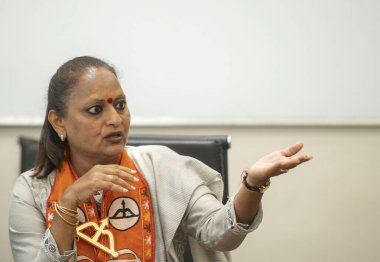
95 110
120 106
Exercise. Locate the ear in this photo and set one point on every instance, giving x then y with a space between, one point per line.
57 123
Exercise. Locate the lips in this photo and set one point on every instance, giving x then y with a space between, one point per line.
114 137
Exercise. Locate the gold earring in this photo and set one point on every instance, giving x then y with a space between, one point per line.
62 138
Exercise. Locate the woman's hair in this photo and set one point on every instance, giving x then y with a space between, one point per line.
51 149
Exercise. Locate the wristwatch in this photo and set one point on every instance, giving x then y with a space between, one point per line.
260 189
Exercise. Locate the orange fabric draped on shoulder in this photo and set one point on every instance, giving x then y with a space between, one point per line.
130 217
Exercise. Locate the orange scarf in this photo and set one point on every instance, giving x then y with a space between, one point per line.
130 217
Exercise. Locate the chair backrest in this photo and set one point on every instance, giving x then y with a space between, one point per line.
29 148
211 150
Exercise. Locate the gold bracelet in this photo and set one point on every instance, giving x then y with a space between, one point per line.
67 211
64 219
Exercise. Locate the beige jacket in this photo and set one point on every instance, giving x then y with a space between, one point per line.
186 197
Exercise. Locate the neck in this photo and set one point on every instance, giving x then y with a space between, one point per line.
82 164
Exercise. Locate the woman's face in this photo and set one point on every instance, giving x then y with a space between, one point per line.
97 117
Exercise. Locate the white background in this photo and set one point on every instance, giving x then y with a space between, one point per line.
197 62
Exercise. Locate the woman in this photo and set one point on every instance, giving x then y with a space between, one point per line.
89 198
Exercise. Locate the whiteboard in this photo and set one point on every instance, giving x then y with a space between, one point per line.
201 62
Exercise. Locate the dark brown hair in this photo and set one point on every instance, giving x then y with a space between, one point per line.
51 149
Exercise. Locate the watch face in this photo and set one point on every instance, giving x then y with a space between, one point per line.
264 187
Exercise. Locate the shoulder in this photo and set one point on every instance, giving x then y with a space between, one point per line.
28 179
24 183
152 150
153 154
162 161
165 157
31 189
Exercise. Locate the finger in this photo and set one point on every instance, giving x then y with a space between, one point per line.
124 168
120 171
118 181
292 150
305 158
292 162
127 169
106 185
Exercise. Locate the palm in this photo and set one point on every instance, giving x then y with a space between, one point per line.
277 163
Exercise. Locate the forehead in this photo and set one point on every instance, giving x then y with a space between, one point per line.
96 83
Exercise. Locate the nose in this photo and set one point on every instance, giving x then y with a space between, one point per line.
113 117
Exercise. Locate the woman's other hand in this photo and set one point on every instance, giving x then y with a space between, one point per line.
100 177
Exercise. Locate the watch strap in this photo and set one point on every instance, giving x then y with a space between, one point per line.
259 189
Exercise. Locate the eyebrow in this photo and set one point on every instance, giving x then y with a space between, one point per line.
122 96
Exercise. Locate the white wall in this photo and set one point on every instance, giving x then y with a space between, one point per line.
207 61
326 210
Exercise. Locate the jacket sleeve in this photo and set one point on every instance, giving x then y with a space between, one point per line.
29 239
213 224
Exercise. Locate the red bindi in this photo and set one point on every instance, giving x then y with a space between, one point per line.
109 100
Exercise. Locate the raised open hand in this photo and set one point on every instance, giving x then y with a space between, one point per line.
275 164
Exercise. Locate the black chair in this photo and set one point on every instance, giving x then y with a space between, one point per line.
29 148
211 150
